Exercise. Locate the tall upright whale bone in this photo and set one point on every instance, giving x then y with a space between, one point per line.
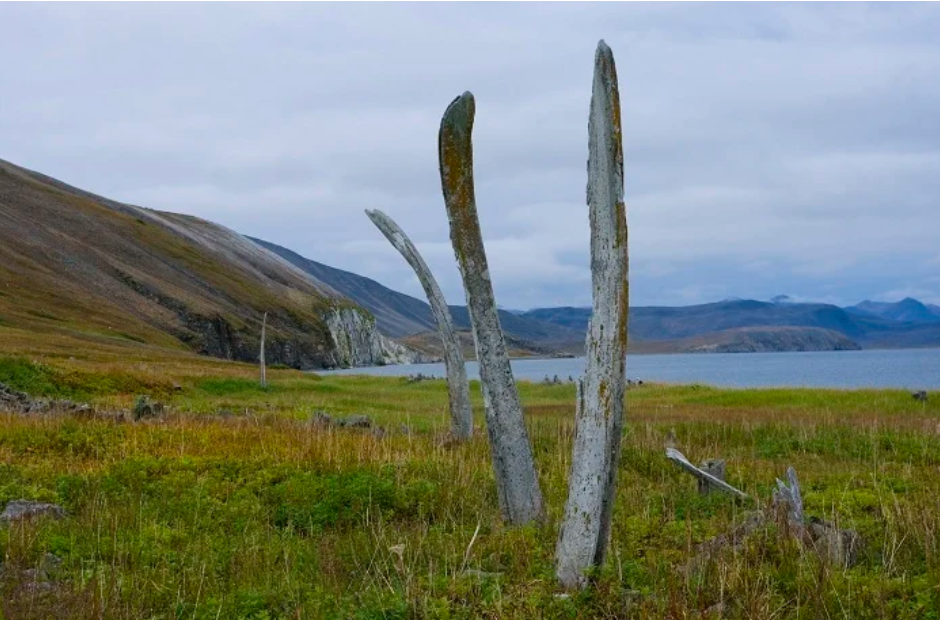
461 415
585 532
261 362
517 483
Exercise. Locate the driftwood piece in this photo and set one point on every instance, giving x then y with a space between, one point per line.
461 415
679 459
517 482
585 531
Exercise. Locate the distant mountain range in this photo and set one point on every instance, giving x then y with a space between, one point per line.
907 323
729 325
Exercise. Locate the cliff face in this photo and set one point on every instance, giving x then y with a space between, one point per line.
357 342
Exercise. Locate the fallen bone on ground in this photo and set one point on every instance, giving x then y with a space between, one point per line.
706 479
837 546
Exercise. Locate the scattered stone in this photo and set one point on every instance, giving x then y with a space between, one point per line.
717 610
355 421
378 432
920 396
321 419
146 408
20 402
481 574
404 429
176 387
20 509
224 413
418 378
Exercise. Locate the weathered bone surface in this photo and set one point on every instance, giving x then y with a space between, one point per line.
264 370
679 459
715 467
837 546
517 483
461 414
599 418
790 499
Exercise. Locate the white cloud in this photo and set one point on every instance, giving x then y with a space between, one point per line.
769 148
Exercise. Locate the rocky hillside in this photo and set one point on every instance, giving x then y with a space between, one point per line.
769 339
88 269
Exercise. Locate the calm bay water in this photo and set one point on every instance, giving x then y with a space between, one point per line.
901 368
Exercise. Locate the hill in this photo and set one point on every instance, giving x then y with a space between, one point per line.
907 310
399 315
652 324
100 273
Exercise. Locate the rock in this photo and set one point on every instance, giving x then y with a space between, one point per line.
378 432
355 421
321 419
716 610
357 342
418 378
145 408
404 429
19 402
224 413
920 396
481 574
25 509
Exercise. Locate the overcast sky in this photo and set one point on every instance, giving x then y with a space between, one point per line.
769 148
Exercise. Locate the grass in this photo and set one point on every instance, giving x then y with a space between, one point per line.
262 514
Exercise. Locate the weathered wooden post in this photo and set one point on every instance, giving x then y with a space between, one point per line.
461 415
517 483
584 534
264 370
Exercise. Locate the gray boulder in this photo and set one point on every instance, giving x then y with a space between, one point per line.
25 509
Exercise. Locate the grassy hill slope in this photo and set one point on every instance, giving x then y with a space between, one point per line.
95 272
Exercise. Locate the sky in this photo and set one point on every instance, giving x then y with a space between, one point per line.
769 149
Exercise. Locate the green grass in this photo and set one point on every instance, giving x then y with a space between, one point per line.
264 515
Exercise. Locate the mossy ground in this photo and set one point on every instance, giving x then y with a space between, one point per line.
263 515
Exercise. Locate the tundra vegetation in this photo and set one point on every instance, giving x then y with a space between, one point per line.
234 504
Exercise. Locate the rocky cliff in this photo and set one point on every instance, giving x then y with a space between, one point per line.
357 342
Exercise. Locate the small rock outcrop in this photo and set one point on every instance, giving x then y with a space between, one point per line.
358 342
20 509
20 402
146 408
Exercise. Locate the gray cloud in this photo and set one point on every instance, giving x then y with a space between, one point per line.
769 148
